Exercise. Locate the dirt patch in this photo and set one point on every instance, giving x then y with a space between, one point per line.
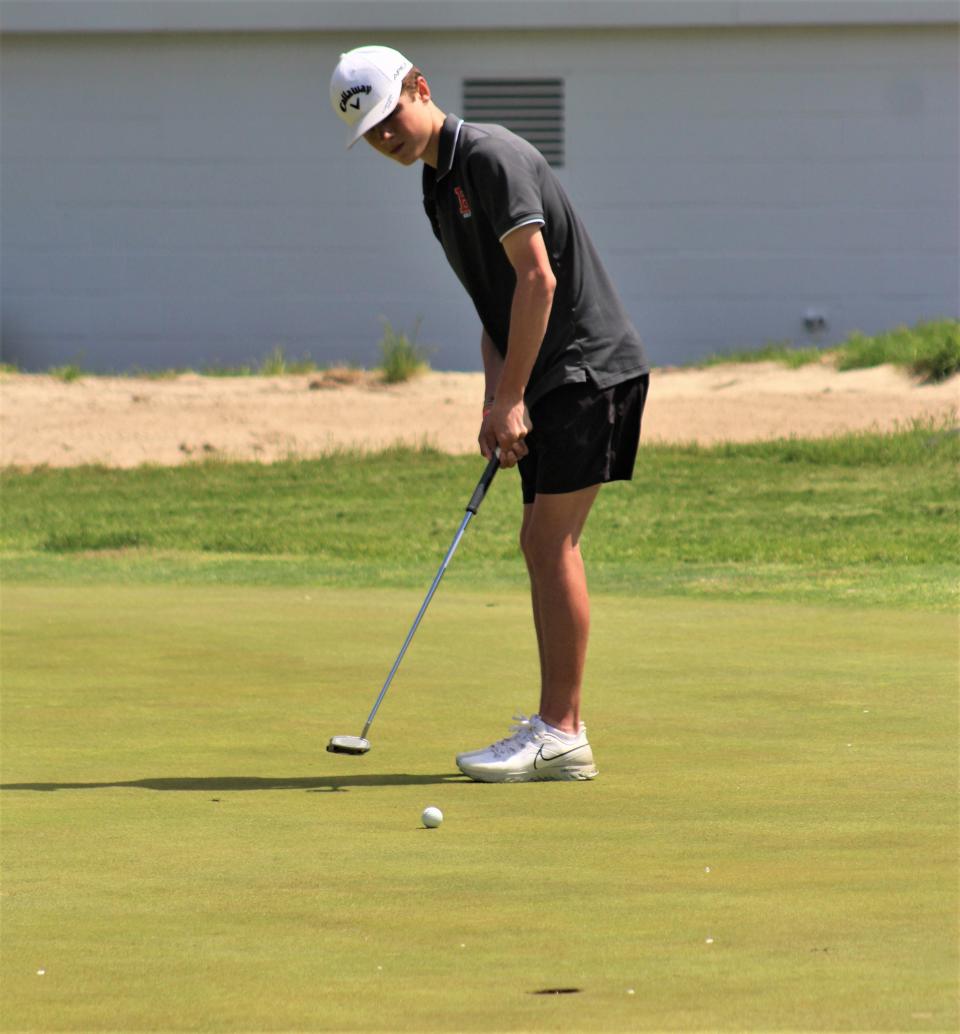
126 421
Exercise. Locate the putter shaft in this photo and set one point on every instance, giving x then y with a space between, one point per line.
417 620
475 500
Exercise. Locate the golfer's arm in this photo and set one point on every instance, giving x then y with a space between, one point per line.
492 365
529 310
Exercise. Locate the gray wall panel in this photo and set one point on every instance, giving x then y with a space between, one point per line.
175 199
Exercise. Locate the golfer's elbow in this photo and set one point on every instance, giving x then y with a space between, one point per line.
539 284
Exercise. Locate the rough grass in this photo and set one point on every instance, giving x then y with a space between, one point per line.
862 518
929 350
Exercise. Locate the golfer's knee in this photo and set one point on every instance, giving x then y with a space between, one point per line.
544 552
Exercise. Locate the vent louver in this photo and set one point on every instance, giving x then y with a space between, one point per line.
531 108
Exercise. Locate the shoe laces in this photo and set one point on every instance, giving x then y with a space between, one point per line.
522 731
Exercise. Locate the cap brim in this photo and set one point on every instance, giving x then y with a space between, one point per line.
375 115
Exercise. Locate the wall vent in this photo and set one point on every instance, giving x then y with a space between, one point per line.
531 108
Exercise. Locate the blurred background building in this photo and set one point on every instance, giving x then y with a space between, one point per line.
175 189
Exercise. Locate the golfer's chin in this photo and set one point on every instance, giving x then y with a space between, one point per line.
406 155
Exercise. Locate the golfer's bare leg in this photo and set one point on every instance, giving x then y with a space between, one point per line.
550 539
527 514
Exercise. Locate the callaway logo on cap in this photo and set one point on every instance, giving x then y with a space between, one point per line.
365 87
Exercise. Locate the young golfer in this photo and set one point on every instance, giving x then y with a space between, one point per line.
566 378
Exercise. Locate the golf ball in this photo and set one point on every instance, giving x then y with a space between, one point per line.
431 817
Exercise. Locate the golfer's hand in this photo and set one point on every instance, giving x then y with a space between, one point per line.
505 425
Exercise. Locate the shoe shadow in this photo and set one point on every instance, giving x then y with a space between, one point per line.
216 784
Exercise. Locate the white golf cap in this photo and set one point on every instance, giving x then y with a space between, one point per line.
365 87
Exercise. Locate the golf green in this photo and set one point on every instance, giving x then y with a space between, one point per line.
771 843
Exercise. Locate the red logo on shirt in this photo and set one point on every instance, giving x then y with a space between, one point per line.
464 203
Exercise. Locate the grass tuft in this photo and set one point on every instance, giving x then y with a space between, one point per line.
400 356
929 350
277 364
67 373
775 352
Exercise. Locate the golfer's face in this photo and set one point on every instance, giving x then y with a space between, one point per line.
403 134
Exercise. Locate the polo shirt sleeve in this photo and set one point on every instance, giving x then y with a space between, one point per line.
506 186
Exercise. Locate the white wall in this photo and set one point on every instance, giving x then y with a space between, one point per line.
186 199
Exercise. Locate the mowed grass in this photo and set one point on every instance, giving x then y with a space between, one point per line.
771 844
862 519
772 691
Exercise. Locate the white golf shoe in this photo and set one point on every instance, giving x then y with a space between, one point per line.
534 752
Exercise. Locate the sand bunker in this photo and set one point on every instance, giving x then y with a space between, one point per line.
125 421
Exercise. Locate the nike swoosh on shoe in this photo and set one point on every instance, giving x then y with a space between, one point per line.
540 756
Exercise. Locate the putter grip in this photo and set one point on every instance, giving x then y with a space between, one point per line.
484 483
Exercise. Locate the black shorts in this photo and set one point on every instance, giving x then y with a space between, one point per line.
582 436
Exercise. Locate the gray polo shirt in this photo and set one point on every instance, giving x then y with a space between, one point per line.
489 182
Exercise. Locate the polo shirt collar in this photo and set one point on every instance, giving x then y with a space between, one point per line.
449 137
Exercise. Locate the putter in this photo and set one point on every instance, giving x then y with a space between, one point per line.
360 744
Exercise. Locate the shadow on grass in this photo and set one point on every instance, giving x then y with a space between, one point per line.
234 783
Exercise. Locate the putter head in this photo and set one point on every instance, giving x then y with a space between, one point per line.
348 745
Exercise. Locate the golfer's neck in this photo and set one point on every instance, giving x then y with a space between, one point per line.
431 153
